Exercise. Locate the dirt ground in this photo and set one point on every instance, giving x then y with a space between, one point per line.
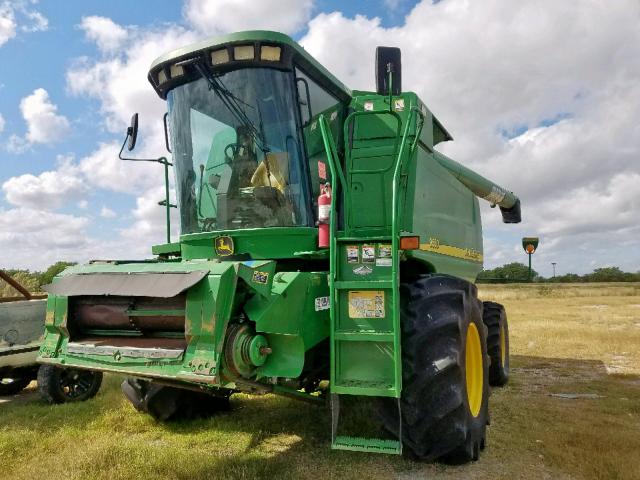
570 411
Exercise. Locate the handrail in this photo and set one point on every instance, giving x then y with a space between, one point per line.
342 185
395 232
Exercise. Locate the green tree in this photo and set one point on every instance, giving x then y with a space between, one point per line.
511 272
47 276
609 274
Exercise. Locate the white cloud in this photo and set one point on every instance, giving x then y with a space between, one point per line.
2 123
105 170
36 238
7 23
44 124
106 212
83 204
16 144
38 22
224 16
48 191
107 34
18 13
118 80
149 226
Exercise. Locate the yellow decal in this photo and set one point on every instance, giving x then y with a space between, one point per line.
366 304
435 246
224 246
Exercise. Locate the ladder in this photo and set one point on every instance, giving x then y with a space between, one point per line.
365 266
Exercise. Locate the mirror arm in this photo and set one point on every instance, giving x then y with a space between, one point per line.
161 160
167 164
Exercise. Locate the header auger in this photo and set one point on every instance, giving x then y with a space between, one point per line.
268 149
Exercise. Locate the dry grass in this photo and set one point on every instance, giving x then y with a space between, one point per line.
564 339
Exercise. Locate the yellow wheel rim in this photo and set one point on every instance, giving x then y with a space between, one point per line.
474 369
503 346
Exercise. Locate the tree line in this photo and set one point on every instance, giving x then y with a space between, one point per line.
32 281
519 272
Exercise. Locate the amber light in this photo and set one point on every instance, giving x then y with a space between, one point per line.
409 243
530 248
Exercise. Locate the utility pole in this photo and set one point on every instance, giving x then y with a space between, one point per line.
554 269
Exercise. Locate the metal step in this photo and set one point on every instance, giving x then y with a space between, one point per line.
362 284
363 336
361 444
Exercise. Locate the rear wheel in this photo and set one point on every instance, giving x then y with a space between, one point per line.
61 385
444 370
13 385
171 403
495 318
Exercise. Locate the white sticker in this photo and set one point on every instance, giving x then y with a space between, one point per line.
324 212
383 262
398 104
368 106
353 254
334 115
363 270
368 254
384 251
322 303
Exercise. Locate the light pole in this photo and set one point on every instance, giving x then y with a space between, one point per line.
554 269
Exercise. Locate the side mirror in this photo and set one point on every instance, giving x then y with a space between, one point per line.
132 132
388 62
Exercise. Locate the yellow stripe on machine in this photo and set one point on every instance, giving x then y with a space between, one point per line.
435 246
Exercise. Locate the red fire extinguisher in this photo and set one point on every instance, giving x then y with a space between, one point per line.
324 214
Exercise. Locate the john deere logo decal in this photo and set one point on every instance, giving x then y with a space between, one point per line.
224 246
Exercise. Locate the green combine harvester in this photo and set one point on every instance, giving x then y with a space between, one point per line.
326 251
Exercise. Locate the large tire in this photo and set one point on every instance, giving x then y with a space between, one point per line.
13 385
171 403
495 318
441 417
61 385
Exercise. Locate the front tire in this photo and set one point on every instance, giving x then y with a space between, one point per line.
445 371
495 318
62 385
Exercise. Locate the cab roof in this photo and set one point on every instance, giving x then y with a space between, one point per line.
171 69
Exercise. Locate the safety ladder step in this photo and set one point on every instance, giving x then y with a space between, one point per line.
361 444
362 284
363 336
365 391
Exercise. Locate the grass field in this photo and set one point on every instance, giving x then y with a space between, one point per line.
565 339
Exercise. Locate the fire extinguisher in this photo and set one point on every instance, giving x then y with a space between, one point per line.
324 215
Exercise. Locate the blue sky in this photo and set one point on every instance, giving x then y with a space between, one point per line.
523 90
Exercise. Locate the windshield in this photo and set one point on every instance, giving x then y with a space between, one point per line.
236 153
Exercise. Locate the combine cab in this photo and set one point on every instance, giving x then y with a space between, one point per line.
322 239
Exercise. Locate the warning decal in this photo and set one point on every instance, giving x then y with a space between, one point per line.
366 304
322 303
